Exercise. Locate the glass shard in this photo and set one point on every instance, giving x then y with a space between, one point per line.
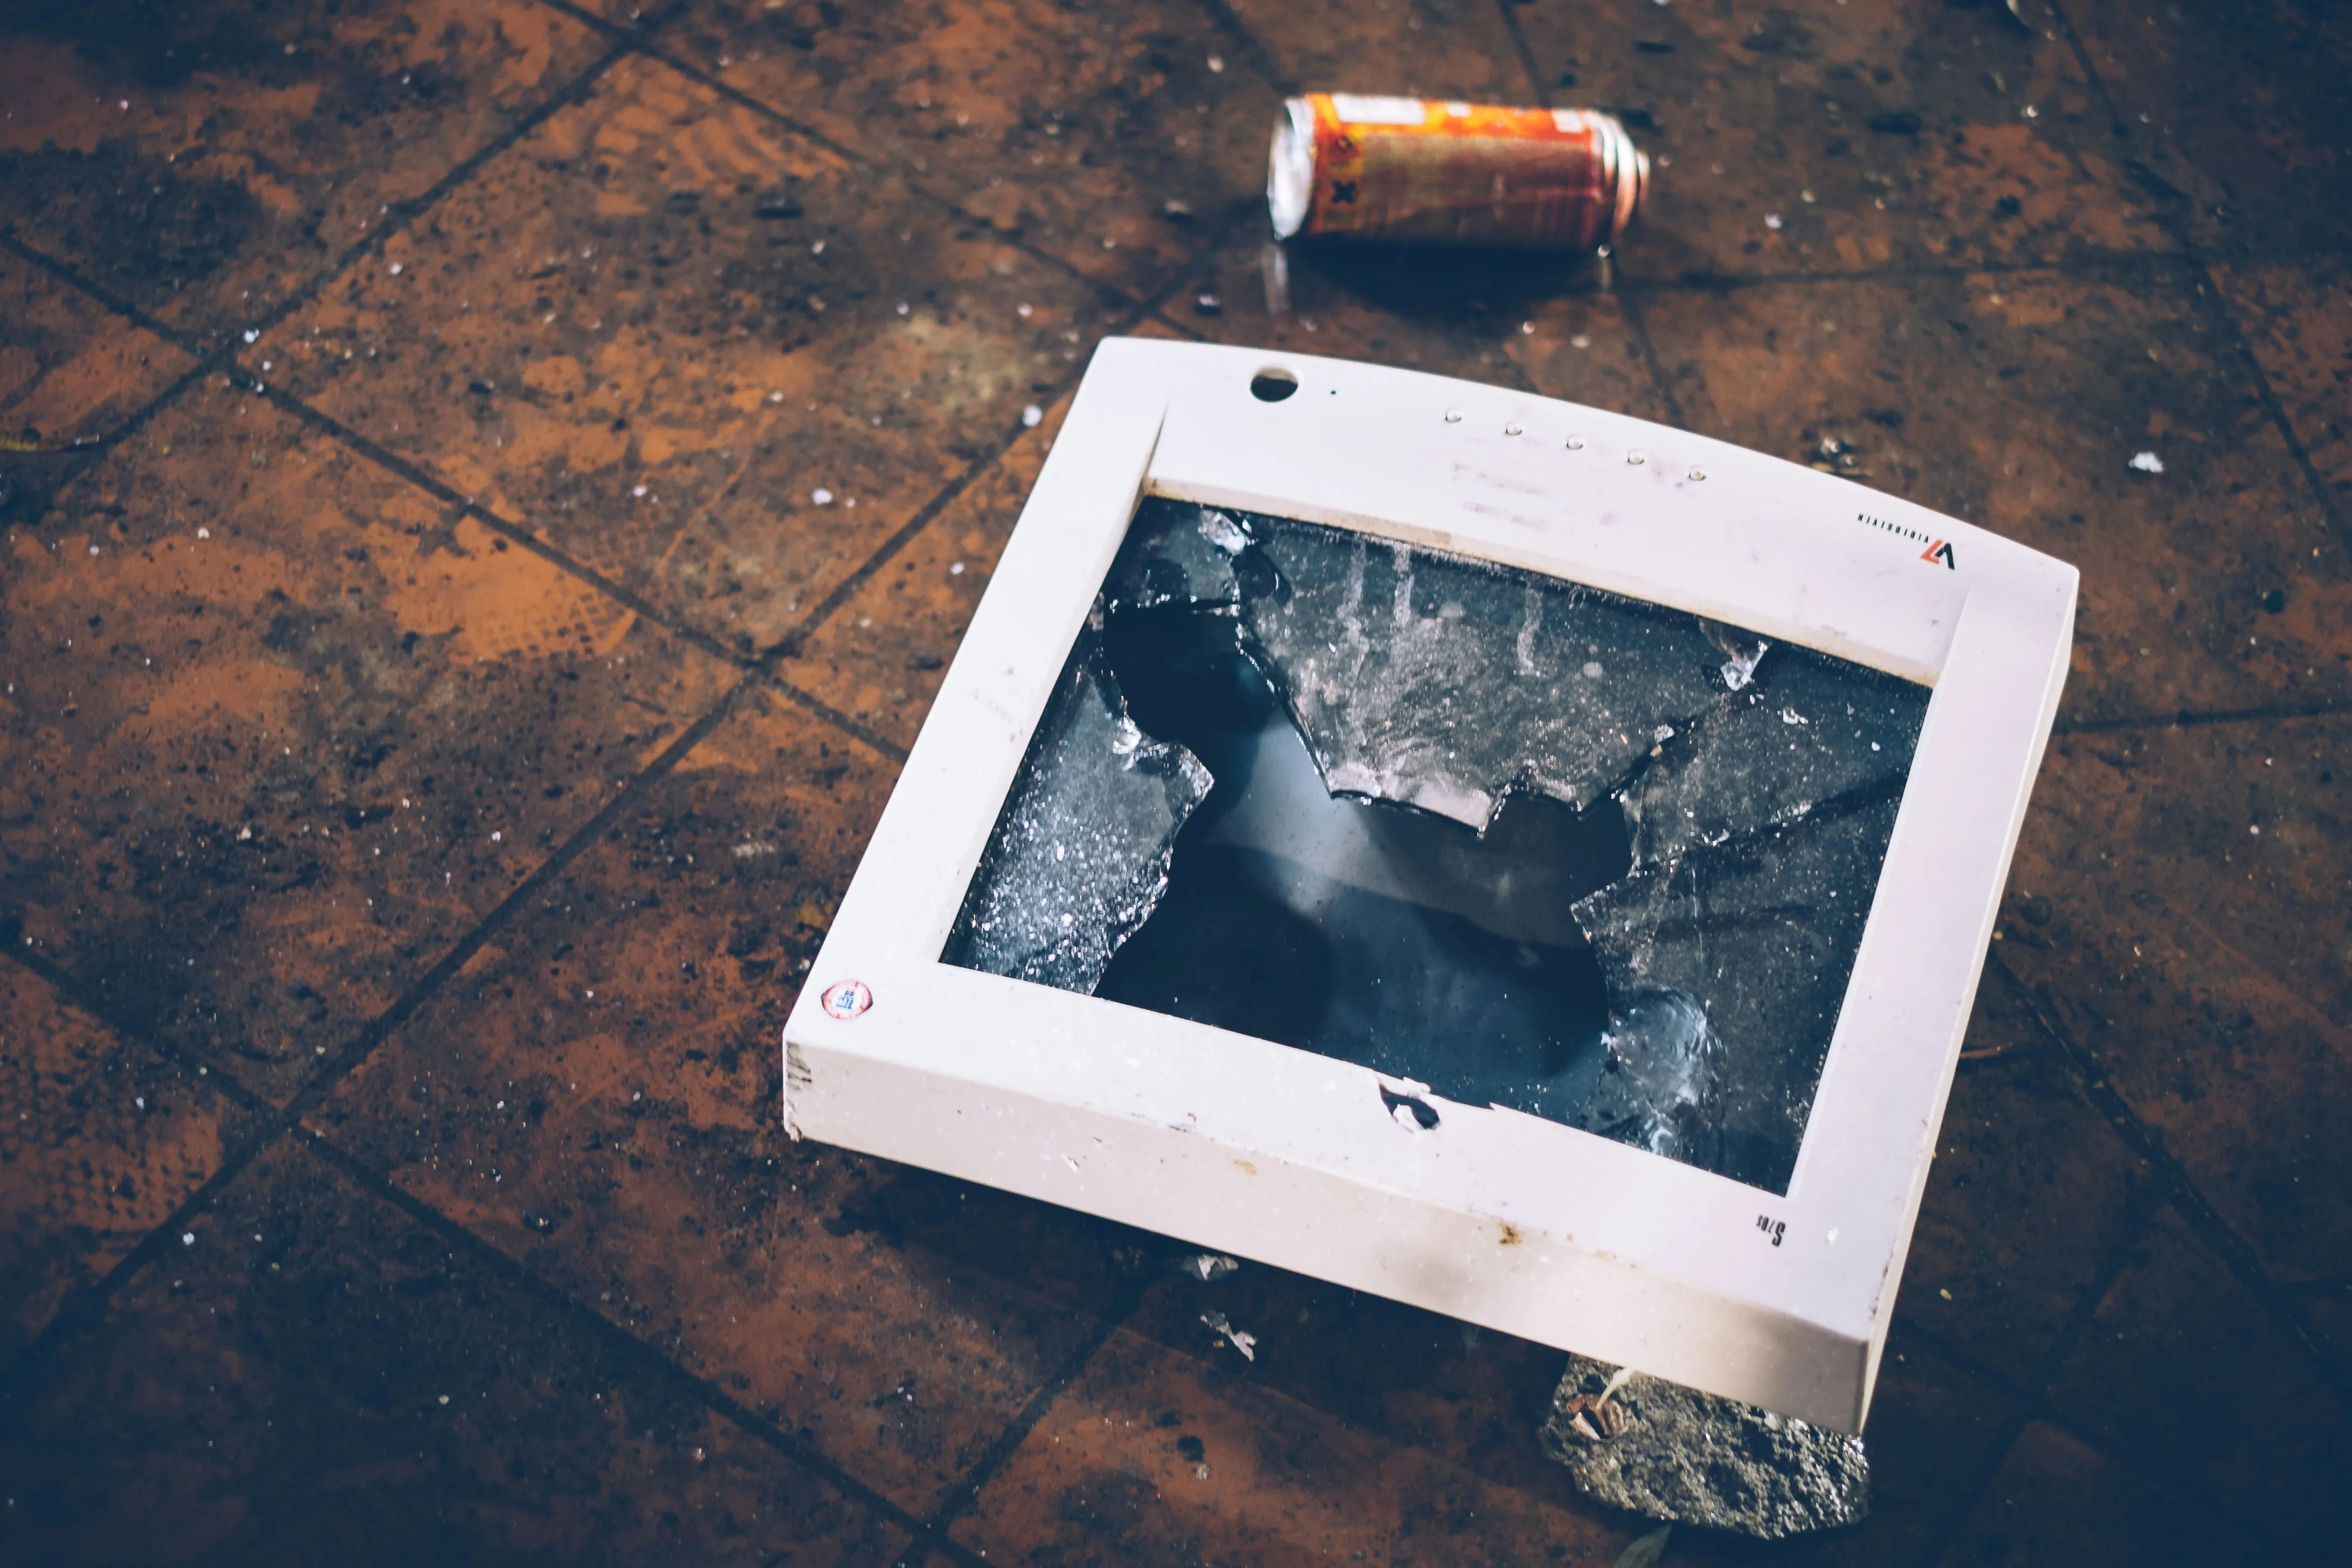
1176 553
1760 934
1807 730
1081 855
1358 929
1657 1087
1443 682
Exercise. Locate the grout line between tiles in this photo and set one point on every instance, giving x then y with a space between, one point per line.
636 603
2189 719
1107 292
1016 1432
340 1063
221 356
86 1305
1627 304
406 212
2028 1398
639 25
2037 1407
2087 264
98 293
1260 60
2218 303
19 1379
2236 1253
628 1347
66 985
415 473
1508 11
1659 381
818 708
794 640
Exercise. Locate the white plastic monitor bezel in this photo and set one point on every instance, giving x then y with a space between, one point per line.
1495 1217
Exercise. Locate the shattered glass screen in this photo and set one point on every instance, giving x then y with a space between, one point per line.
1529 843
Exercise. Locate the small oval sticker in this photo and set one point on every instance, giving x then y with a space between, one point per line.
845 999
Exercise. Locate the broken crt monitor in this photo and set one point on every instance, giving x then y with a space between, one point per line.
1502 855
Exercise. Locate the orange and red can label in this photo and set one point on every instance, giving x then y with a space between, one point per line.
1415 169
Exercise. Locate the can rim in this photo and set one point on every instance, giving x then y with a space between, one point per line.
1290 168
1628 170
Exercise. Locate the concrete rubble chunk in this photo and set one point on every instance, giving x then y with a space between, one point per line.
1658 1449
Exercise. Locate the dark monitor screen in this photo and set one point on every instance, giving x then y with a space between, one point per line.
1532 844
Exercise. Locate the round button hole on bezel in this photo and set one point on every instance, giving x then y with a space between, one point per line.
1272 384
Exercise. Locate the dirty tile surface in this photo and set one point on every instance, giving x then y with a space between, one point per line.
489 492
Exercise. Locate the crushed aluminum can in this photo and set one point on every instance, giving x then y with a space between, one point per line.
1415 169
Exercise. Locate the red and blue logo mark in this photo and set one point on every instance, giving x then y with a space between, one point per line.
1937 550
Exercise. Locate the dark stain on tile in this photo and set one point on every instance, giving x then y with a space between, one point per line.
1107 1475
2189 883
1109 137
2030 1191
103 1140
2057 1500
2176 1332
281 731
316 1376
203 161
617 1126
708 358
2239 113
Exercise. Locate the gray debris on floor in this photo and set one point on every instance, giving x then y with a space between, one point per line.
1656 1448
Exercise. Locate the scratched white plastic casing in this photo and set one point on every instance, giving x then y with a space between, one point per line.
1281 1156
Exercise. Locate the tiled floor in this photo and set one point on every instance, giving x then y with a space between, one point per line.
439 721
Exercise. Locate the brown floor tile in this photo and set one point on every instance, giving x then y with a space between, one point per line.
70 370
203 161
2298 320
104 1139
1427 49
1526 321
598 1095
661 327
881 656
2182 1369
1071 128
1902 132
1153 1457
2240 110
1464 1397
2030 1193
281 731
2059 1502
1470 1399
315 1377
2019 403
2203 964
